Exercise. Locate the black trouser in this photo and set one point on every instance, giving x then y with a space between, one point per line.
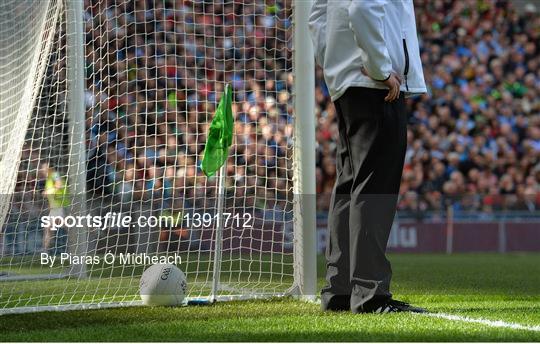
370 155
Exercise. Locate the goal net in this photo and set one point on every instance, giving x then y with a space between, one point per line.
152 75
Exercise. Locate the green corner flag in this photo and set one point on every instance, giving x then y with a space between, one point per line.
220 135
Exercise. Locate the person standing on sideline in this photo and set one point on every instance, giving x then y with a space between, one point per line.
369 53
57 195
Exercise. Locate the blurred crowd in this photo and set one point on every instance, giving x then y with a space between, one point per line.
155 71
474 140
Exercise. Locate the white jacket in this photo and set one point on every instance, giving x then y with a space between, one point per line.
379 35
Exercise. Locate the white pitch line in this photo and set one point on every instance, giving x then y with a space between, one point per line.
491 323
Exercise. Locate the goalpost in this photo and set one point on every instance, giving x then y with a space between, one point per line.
104 110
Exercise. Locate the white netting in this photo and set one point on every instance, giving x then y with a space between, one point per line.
26 34
154 73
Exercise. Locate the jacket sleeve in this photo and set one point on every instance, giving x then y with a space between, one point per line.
317 27
367 23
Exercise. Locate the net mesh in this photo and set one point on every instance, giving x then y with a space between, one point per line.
154 72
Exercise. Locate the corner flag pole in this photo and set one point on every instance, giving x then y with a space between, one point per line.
218 246
216 151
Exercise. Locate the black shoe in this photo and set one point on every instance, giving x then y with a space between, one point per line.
338 303
390 306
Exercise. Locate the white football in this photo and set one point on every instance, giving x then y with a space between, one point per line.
163 285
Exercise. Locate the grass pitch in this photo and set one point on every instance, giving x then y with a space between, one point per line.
503 289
